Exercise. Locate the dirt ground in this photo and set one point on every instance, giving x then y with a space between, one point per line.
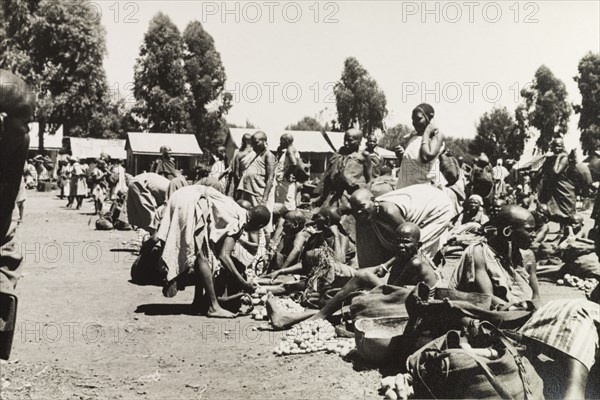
85 332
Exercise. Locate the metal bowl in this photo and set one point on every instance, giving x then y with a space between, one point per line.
378 340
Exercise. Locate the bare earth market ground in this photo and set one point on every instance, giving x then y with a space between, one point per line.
85 332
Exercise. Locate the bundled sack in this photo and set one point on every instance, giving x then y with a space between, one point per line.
479 363
103 224
450 168
146 269
434 312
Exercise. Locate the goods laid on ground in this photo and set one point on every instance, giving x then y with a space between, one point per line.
311 336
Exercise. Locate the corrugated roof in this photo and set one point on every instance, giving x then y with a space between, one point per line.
92 148
150 143
304 141
51 142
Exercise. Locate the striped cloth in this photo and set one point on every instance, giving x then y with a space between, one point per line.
570 326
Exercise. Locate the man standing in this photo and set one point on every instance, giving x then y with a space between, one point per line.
499 173
373 150
256 184
165 164
220 169
348 171
238 163
560 181
17 105
287 160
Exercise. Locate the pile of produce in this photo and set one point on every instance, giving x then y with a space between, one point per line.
310 336
290 305
586 285
398 387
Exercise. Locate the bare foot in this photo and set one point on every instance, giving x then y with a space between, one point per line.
278 316
219 313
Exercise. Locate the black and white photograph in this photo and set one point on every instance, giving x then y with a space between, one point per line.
303 199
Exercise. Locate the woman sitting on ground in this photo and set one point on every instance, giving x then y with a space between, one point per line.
565 327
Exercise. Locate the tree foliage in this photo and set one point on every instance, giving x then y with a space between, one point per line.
498 136
58 47
588 81
459 147
546 107
359 100
206 77
305 124
160 80
395 136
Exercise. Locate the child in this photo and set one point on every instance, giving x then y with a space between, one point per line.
409 267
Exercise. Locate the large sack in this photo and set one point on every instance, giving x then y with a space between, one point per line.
445 369
146 269
102 224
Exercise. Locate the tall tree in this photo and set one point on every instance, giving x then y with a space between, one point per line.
498 136
59 48
459 147
546 107
206 76
588 81
159 79
68 49
359 99
395 136
305 124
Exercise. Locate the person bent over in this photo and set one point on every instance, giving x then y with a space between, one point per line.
198 231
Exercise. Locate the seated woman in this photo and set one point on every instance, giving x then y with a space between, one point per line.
472 217
198 233
409 267
325 230
495 267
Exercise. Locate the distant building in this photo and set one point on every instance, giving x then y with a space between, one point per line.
143 148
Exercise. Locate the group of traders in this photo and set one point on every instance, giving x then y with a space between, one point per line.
361 227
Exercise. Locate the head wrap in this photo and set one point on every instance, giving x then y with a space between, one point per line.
477 198
426 110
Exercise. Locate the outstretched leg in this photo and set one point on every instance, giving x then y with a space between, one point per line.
281 319
364 279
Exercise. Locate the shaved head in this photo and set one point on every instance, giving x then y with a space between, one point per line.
331 213
258 217
246 138
287 138
360 195
15 94
409 230
354 133
260 135
512 215
362 203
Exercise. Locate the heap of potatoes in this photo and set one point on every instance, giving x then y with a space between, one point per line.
311 336
586 285
397 387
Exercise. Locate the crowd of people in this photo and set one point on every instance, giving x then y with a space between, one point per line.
257 221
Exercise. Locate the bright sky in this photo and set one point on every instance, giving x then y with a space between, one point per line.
282 58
